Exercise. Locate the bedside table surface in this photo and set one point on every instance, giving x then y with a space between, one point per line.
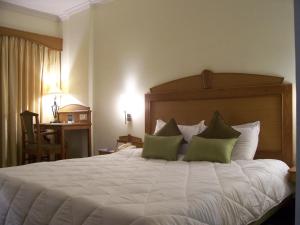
138 142
292 169
292 174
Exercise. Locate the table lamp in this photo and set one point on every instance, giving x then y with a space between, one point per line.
55 106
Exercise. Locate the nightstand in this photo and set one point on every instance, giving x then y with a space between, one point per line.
105 151
136 141
292 174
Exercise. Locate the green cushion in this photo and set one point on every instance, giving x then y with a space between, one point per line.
169 129
219 129
161 147
213 150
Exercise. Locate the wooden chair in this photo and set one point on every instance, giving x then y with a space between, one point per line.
35 148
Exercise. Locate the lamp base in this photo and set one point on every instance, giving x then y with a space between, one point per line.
55 121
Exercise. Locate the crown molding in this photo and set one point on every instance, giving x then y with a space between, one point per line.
75 9
81 7
27 11
64 16
100 1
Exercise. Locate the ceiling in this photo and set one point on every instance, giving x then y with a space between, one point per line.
61 8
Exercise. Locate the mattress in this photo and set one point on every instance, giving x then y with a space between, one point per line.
125 189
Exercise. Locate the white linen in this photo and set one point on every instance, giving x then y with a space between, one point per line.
187 131
125 189
247 142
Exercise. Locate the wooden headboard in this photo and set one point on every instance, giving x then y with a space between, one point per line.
240 98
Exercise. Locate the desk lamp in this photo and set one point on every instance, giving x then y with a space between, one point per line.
55 106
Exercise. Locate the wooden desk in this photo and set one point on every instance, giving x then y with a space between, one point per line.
71 117
60 128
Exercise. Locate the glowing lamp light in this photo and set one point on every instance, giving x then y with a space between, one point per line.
127 107
130 104
55 107
130 101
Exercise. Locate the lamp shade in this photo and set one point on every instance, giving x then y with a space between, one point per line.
53 91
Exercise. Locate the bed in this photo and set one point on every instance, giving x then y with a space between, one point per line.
125 189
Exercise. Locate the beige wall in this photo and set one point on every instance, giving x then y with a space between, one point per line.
35 22
76 60
151 42
132 45
76 71
76 57
30 22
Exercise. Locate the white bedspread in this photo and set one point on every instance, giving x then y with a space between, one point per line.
125 189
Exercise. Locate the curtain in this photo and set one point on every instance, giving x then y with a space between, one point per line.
24 65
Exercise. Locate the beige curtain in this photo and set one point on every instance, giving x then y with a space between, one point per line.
23 67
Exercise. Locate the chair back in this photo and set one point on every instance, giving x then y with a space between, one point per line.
28 126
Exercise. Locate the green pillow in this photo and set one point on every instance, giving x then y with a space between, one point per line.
161 147
213 150
169 129
219 129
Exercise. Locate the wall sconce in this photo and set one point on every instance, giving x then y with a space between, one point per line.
128 117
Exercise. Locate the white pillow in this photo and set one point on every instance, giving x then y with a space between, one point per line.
247 142
188 131
246 145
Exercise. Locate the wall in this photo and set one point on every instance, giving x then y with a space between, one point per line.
141 43
30 22
36 22
297 34
75 56
132 45
77 70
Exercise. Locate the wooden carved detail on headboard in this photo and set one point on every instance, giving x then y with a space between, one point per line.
210 80
241 98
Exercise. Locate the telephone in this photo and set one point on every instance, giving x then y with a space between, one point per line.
127 145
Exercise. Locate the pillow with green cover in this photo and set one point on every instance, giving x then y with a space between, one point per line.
218 129
213 150
161 147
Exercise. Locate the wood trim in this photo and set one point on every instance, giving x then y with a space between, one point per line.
147 113
206 79
287 124
217 93
265 98
49 41
138 142
74 107
76 111
210 80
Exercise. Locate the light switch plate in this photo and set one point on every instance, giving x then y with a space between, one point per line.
82 116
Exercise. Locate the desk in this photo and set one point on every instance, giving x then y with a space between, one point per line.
60 128
71 117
